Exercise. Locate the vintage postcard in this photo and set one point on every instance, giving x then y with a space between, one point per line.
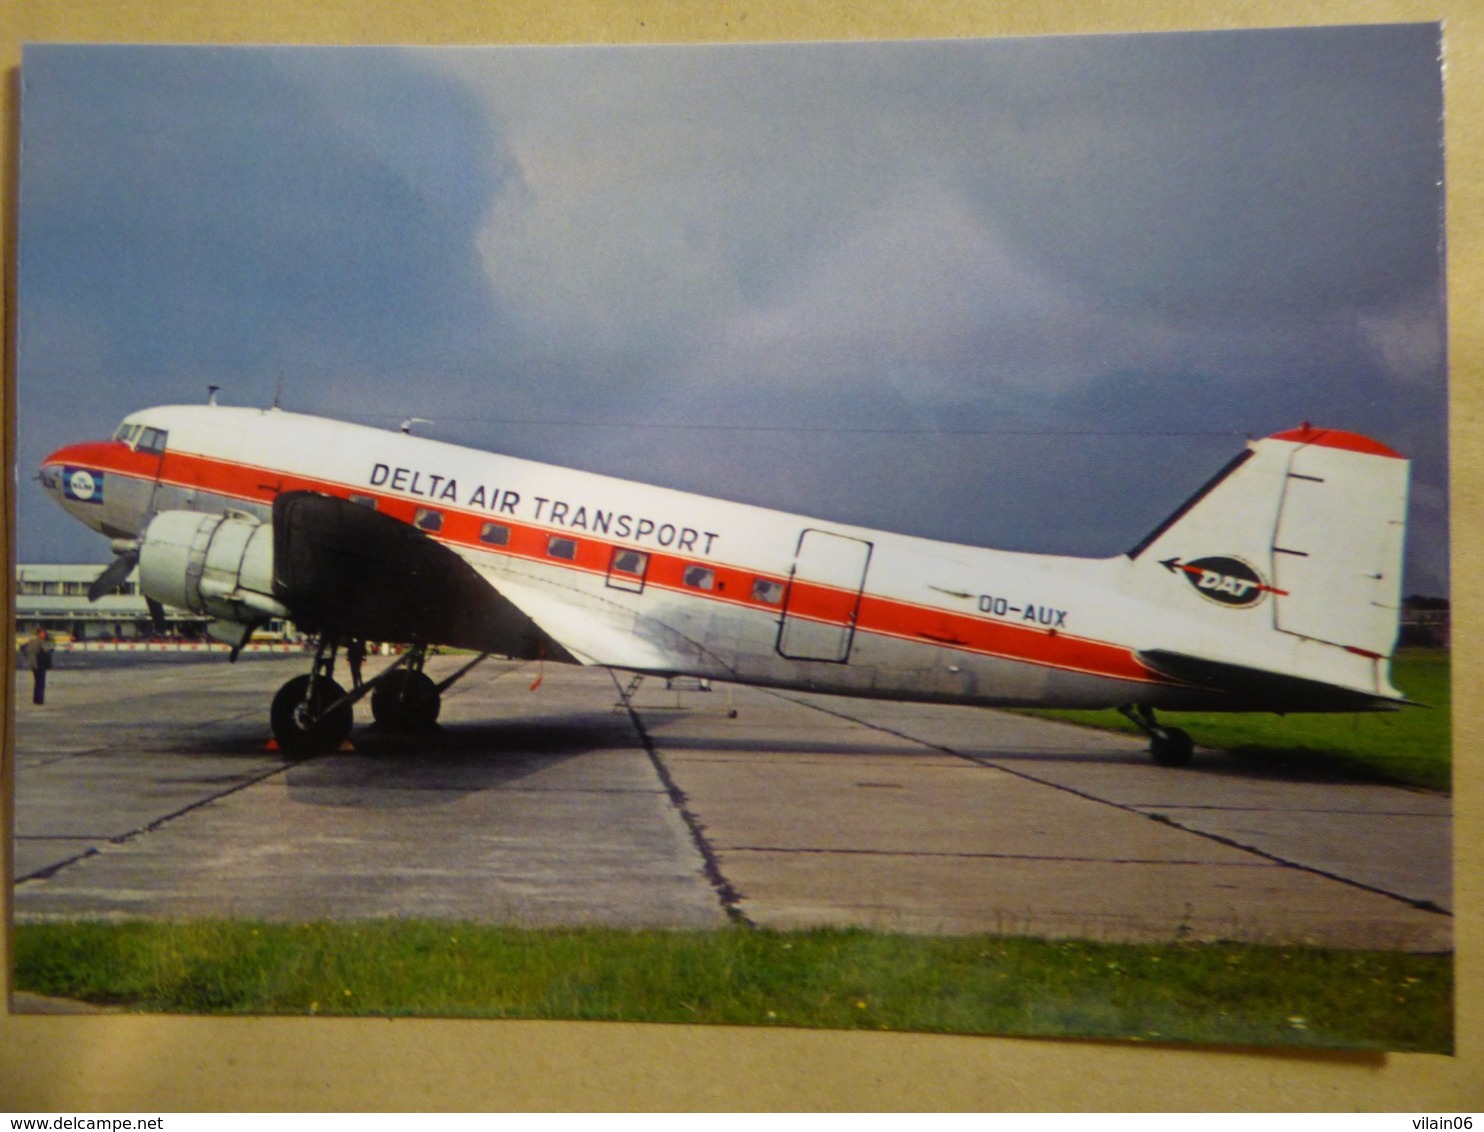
931 536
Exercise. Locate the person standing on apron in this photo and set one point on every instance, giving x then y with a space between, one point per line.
36 654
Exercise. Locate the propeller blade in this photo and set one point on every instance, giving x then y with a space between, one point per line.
110 579
156 614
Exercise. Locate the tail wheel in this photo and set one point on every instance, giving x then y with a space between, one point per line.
406 701
1169 746
302 726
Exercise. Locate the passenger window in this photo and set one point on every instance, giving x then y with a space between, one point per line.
428 520
495 534
764 590
630 562
364 501
699 578
558 547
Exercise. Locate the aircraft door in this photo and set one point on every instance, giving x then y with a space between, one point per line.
823 598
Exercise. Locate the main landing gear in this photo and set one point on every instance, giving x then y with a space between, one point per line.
1168 746
406 699
312 714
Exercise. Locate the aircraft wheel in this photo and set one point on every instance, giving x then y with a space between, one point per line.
406 701
300 727
1169 746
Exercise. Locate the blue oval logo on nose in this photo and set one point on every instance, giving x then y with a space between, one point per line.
82 484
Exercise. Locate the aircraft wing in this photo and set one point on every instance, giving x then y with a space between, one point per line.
340 567
344 566
596 632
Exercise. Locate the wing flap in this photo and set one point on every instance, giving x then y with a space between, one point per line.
592 631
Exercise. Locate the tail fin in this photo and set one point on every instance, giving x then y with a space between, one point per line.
1289 562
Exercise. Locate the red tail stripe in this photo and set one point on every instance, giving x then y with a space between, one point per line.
1335 438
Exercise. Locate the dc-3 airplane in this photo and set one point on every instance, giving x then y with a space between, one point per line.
1275 588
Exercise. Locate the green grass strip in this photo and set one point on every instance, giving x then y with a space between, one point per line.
1411 746
1225 993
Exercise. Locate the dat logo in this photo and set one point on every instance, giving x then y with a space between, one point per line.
83 485
1228 581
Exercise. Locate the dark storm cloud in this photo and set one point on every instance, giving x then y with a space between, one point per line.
242 218
1153 235
1262 174
1108 258
206 212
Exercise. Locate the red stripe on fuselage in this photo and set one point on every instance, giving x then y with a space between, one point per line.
882 616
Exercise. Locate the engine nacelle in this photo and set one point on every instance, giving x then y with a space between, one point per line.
219 565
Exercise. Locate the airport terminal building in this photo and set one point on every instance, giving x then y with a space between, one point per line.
55 598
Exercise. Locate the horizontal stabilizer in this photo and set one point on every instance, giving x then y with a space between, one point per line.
1259 690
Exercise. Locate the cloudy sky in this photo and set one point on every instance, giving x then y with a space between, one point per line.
1021 293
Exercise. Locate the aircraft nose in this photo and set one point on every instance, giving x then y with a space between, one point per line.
50 472
71 474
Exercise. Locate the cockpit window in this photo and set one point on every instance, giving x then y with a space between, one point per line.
136 436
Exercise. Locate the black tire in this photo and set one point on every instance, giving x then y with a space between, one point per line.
406 701
302 728
1169 746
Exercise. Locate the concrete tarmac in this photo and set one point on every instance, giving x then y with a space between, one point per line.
148 791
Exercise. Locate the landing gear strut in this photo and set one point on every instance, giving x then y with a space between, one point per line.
1168 746
312 714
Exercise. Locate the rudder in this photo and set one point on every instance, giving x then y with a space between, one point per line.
1305 529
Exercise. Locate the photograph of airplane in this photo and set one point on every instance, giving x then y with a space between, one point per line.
1276 588
687 496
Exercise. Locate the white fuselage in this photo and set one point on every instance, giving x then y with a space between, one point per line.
655 580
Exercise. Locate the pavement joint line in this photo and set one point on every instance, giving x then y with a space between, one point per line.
69 755
731 899
1059 859
1232 843
56 867
990 763
1207 807
122 838
63 836
600 790
1421 905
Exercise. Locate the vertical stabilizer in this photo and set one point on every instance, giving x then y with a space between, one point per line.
1290 560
